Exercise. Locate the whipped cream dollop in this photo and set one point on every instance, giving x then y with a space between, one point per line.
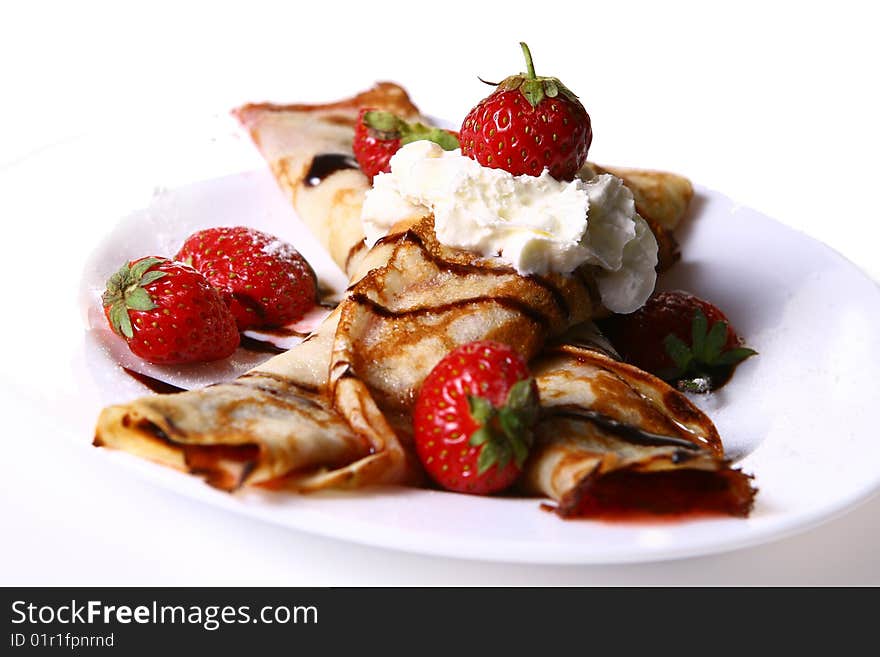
535 223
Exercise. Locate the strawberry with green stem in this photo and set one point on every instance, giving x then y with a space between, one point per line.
680 338
168 313
378 135
474 417
528 124
705 363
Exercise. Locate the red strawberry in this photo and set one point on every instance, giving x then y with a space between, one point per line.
527 124
265 281
168 313
678 337
474 416
378 135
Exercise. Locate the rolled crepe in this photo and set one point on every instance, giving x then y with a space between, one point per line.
615 440
335 411
416 301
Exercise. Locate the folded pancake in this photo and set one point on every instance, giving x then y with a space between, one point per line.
614 440
273 426
308 148
335 411
271 422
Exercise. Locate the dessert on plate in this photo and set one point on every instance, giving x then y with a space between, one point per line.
465 353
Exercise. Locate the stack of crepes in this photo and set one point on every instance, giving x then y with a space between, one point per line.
334 411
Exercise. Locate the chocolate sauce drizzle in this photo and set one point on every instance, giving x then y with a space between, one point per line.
511 304
466 268
260 346
627 432
326 164
280 378
153 384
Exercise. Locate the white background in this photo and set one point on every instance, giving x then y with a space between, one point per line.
774 104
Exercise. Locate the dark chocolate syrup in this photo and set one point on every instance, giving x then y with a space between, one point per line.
511 304
325 164
466 268
155 385
260 346
626 432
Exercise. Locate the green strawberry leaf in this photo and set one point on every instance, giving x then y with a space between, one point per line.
487 458
520 451
705 361
119 319
678 351
734 356
480 436
523 399
115 286
446 140
389 126
139 268
510 423
481 409
505 433
137 298
152 276
714 343
533 90
419 131
384 122
125 291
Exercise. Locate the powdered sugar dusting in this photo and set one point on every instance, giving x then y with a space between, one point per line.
279 249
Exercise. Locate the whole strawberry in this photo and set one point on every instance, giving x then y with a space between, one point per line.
265 281
378 135
168 313
679 337
474 416
527 124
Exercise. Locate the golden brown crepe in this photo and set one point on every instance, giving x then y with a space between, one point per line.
334 411
416 301
615 440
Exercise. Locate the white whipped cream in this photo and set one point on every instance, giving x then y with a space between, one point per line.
535 223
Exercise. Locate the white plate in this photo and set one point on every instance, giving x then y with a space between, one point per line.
796 416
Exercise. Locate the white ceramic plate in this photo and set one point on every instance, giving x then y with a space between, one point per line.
796 416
